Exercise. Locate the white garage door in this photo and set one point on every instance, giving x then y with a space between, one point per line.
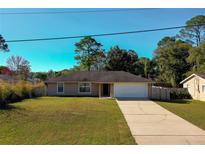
131 90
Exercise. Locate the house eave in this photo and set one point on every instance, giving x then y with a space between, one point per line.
189 77
47 82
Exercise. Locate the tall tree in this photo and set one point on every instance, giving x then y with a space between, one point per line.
122 60
19 66
154 69
39 76
171 58
61 73
194 31
145 63
89 53
3 45
148 68
197 58
78 68
100 62
51 74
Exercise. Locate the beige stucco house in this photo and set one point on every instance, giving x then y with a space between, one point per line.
195 84
101 84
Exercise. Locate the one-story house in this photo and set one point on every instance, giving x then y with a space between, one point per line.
12 79
101 84
195 84
8 78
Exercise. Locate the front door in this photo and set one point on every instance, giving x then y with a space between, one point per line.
106 90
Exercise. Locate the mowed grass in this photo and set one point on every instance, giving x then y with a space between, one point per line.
64 120
190 110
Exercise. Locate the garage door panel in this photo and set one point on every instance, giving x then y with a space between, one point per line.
131 90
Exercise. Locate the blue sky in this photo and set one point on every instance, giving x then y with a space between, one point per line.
59 54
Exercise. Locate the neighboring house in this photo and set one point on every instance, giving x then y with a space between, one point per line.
100 84
12 79
8 78
195 84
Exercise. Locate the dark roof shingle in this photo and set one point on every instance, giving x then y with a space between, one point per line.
202 75
99 76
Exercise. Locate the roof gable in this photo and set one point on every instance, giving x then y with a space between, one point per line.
191 76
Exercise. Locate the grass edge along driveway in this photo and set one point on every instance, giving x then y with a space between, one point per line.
190 110
64 120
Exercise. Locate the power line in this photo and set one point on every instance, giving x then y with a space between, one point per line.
98 35
72 12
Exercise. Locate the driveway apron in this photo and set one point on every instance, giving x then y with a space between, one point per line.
152 124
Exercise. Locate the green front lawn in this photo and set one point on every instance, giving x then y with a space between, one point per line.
64 120
191 110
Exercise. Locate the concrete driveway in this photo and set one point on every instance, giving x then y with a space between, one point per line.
152 124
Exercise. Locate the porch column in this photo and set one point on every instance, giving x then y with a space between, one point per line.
99 90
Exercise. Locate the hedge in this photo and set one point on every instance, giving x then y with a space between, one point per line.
18 91
179 93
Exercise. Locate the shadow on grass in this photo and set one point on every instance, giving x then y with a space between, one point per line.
180 101
7 107
177 101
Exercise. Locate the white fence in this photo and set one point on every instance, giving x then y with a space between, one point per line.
160 93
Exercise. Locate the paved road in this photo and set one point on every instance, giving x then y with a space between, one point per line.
152 124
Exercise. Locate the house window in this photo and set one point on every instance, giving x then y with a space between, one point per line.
84 87
60 88
203 88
